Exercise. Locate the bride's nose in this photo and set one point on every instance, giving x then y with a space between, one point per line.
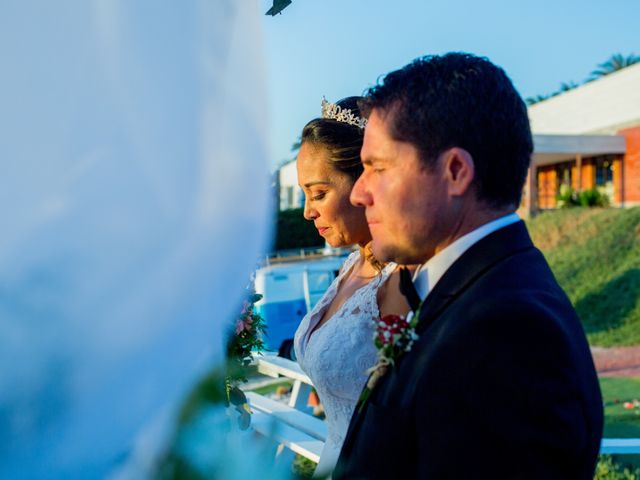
309 212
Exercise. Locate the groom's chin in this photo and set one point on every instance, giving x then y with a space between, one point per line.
386 253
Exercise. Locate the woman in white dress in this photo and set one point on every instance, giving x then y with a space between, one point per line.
334 342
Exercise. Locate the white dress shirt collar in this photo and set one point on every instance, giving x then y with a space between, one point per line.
430 272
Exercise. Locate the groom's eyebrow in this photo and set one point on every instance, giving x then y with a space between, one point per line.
372 160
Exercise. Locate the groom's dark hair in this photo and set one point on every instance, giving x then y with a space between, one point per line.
461 100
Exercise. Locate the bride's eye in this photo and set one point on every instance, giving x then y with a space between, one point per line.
318 196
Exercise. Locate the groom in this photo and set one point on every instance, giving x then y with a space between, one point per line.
500 383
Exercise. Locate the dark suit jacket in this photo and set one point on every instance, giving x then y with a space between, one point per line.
501 383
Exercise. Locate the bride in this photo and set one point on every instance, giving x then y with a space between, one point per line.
334 342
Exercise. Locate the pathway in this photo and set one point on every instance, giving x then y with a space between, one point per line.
617 361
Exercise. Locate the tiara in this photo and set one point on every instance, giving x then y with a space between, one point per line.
332 111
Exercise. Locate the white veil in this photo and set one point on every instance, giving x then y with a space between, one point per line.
134 203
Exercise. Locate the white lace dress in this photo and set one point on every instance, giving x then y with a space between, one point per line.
337 355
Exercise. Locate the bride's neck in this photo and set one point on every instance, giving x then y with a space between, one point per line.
364 267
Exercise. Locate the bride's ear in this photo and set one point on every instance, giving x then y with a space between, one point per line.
459 171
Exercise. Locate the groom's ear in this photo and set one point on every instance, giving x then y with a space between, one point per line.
459 171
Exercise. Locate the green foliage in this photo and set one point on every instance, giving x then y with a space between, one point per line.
595 255
593 198
303 468
219 388
607 469
620 421
536 99
616 62
250 328
568 197
272 388
243 342
294 231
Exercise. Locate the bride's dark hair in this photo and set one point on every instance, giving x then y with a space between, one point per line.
342 140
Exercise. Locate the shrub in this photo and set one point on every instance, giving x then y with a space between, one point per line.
593 198
568 197
607 469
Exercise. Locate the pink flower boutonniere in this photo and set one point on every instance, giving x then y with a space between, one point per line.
394 336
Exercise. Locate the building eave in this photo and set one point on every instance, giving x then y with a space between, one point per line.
549 149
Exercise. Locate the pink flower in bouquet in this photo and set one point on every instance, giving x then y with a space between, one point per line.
628 405
242 325
247 307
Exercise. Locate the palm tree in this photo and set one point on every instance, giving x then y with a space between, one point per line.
566 86
613 64
536 99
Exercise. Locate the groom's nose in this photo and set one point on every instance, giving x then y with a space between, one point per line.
360 195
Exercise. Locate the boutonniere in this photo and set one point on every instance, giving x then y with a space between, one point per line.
394 336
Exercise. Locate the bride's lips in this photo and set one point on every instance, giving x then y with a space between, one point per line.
322 230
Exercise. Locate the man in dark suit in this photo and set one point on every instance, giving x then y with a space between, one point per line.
500 383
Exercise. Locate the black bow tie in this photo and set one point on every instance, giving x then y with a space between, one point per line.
408 289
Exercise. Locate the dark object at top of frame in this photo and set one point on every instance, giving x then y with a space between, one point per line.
278 6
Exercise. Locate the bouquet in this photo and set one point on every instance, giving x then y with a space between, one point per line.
244 341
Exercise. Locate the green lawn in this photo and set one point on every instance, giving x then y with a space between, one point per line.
268 389
620 423
595 255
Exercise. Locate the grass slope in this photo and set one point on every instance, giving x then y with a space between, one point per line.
595 255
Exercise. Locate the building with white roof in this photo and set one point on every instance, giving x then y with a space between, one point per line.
291 195
588 137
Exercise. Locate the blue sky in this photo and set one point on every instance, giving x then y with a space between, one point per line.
338 48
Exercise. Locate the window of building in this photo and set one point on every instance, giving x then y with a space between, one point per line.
604 171
563 174
604 175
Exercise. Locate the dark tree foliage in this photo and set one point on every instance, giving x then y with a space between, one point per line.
293 231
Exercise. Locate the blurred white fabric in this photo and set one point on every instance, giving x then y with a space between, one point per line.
134 203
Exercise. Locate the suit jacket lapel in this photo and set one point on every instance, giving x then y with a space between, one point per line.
472 264
479 258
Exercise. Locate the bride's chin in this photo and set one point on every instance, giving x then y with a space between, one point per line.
337 243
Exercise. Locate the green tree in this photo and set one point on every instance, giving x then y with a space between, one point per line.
294 231
566 86
613 64
536 99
